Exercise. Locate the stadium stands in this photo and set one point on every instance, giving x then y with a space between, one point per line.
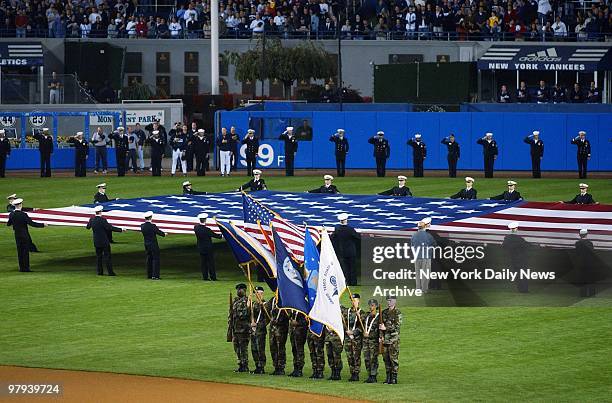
514 20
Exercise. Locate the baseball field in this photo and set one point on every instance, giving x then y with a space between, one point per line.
63 316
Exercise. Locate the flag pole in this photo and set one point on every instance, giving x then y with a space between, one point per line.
258 298
248 265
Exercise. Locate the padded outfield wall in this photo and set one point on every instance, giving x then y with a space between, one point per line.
557 129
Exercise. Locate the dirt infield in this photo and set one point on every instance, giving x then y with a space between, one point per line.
83 386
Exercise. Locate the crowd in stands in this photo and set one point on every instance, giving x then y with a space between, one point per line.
542 94
534 20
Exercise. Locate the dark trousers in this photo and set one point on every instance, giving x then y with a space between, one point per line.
152 262
340 164
488 166
452 166
381 166
418 167
189 159
582 167
45 165
121 161
132 160
348 267
289 160
251 162
201 164
535 166
2 165
101 158
80 166
103 257
23 253
207 266
156 163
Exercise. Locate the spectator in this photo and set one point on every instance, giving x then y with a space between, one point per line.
85 28
141 28
175 29
193 28
504 95
559 29
576 96
130 27
163 31
542 93
54 89
593 95
111 30
559 94
190 12
411 23
580 29
21 24
522 93
257 25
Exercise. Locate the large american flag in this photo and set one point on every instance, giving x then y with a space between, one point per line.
469 221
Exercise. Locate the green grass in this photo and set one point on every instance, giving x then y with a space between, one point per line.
64 316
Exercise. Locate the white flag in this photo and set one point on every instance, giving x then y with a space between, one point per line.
331 285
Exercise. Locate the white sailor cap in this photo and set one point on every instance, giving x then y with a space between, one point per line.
98 208
511 183
340 130
380 132
45 129
289 128
513 225
584 231
581 132
425 221
343 216
200 130
417 136
401 178
13 196
469 179
583 186
536 133
120 128
101 185
488 134
253 131
203 216
256 171
2 131
155 132
79 133
148 214
17 201
328 177
186 183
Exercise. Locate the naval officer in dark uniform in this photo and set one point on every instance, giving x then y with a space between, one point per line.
537 152
158 148
150 232
419 153
101 230
341 149
5 152
101 196
252 149
517 251
200 145
509 195
583 153
345 240
188 190
382 151
81 151
204 236
400 190
255 184
122 146
469 193
45 148
490 152
291 147
454 153
327 187
583 197
20 220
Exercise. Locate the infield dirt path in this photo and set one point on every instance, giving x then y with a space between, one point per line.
83 386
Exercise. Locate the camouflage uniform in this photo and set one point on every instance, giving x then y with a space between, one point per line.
241 328
353 343
370 344
298 328
279 326
392 319
316 345
258 337
333 344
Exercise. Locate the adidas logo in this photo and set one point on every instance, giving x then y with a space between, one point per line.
548 55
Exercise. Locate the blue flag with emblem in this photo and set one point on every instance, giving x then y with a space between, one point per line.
290 280
311 265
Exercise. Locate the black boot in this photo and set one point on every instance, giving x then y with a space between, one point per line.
314 375
239 369
245 368
332 375
393 379
354 377
388 380
338 377
320 375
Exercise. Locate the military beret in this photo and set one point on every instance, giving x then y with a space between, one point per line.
372 301
391 297
355 295
241 286
259 288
